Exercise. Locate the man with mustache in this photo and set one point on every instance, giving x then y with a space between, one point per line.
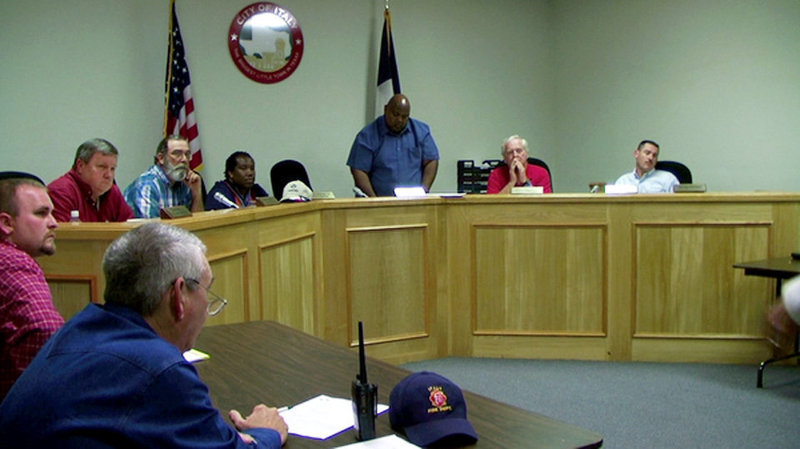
169 182
27 314
645 176
239 185
89 186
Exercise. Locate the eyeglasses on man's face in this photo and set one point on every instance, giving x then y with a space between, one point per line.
216 304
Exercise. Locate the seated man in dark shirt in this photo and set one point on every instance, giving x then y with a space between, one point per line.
115 376
239 186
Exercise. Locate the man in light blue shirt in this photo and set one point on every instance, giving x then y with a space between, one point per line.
645 176
395 150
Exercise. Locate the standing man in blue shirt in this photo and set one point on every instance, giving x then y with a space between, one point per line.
168 182
645 176
394 150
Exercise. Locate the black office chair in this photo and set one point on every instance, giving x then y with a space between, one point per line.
680 171
284 172
535 161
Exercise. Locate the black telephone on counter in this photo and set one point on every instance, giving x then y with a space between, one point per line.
365 396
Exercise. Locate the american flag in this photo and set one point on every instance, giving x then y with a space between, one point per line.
179 114
388 77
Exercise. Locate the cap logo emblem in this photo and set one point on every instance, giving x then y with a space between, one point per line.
438 400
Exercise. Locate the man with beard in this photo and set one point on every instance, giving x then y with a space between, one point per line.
27 315
169 182
89 186
645 176
239 185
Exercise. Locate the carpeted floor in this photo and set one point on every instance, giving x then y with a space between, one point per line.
644 405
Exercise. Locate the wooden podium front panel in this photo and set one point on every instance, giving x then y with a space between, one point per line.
684 284
287 282
387 279
390 271
231 281
539 280
536 278
686 294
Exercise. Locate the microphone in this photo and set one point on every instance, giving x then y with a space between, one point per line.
221 198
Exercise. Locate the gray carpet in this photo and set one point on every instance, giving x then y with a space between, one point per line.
644 405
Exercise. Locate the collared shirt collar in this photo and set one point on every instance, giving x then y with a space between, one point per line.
384 128
636 174
85 188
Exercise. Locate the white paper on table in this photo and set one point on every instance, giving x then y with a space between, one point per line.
387 442
322 417
193 355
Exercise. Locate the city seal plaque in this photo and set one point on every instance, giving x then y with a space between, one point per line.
265 42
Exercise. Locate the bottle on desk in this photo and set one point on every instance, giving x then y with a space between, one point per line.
74 216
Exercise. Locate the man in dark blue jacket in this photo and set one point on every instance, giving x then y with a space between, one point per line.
115 376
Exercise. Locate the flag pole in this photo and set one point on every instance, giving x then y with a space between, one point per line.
169 65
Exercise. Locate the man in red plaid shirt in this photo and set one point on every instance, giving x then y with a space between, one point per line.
27 315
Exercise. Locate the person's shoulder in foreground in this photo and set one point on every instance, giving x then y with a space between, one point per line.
27 314
644 175
89 186
114 376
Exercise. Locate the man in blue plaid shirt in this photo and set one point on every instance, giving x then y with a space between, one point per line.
169 182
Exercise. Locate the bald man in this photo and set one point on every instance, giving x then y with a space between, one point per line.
394 150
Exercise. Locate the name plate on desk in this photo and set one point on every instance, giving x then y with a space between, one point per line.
175 212
690 188
621 189
527 190
266 200
323 196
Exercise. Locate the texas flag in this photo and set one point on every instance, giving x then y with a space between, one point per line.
388 78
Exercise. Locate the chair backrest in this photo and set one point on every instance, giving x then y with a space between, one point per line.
284 172
680 171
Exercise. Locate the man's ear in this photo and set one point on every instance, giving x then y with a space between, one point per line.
176 300
6 224
79 165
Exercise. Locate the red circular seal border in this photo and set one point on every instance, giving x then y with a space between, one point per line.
236 53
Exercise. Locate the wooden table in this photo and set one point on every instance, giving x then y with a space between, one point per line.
779 268
263 361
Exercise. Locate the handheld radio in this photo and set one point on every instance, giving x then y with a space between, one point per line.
365 395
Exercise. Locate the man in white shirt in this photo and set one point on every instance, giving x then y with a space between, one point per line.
645 176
